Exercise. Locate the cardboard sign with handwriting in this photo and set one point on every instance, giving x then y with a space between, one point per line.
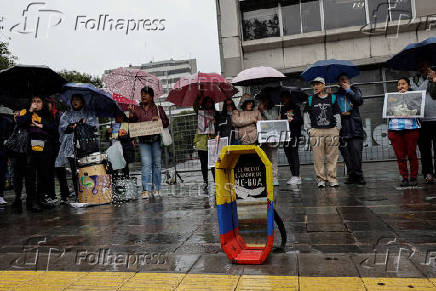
145 128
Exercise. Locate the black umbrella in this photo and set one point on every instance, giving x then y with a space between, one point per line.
275 94
20 83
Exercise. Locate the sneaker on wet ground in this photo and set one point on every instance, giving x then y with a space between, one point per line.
404 183
321 184
145 194
2 201
334 184
294 181
413 182
156 193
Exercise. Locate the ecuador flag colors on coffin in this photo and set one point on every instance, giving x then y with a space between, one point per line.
231 242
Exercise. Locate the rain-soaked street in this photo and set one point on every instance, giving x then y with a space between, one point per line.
352 232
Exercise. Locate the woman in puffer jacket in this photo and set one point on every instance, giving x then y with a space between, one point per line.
245 121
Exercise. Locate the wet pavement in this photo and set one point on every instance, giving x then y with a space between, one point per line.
371 231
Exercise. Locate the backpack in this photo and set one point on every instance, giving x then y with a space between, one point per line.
311 97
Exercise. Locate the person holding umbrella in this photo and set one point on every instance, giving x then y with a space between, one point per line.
68 123
425 80
149 146
352 133
41 127
205 109
291 111
245 121
322 120
421 57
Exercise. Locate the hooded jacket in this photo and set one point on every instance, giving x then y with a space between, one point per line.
352 125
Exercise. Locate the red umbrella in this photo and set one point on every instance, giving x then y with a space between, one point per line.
123 101
186 90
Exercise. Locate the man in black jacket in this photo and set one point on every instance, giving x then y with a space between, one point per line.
352 133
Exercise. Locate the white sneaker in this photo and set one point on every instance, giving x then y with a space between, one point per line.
321 184
294 181
2 201
334 184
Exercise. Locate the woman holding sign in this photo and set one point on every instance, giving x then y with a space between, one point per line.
149 145
403 134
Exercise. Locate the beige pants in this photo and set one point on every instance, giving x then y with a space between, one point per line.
271 153
325 146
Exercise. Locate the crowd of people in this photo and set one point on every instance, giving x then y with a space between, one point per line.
331 119
334 124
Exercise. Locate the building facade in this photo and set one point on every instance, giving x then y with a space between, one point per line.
290 35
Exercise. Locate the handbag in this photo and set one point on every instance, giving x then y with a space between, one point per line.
18 142
165 135
86 140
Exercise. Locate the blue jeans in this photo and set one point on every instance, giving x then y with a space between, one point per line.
151 155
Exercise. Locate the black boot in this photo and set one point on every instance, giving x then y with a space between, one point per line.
360 181
17 205
350 180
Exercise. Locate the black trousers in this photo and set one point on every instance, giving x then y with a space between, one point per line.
21 164
61 174
74 175
3 171
351 150
427 139
203 161
37 176
291 152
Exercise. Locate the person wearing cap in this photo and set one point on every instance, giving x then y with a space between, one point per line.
322 120
352 133
245 121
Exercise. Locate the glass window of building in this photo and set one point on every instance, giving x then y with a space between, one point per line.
392 10
310 15
259 19
344 13
291 17
400 10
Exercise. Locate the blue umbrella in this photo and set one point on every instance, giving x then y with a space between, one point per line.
330 70
96 100
407 59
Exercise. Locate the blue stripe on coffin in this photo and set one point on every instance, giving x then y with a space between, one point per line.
227 217
270 215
